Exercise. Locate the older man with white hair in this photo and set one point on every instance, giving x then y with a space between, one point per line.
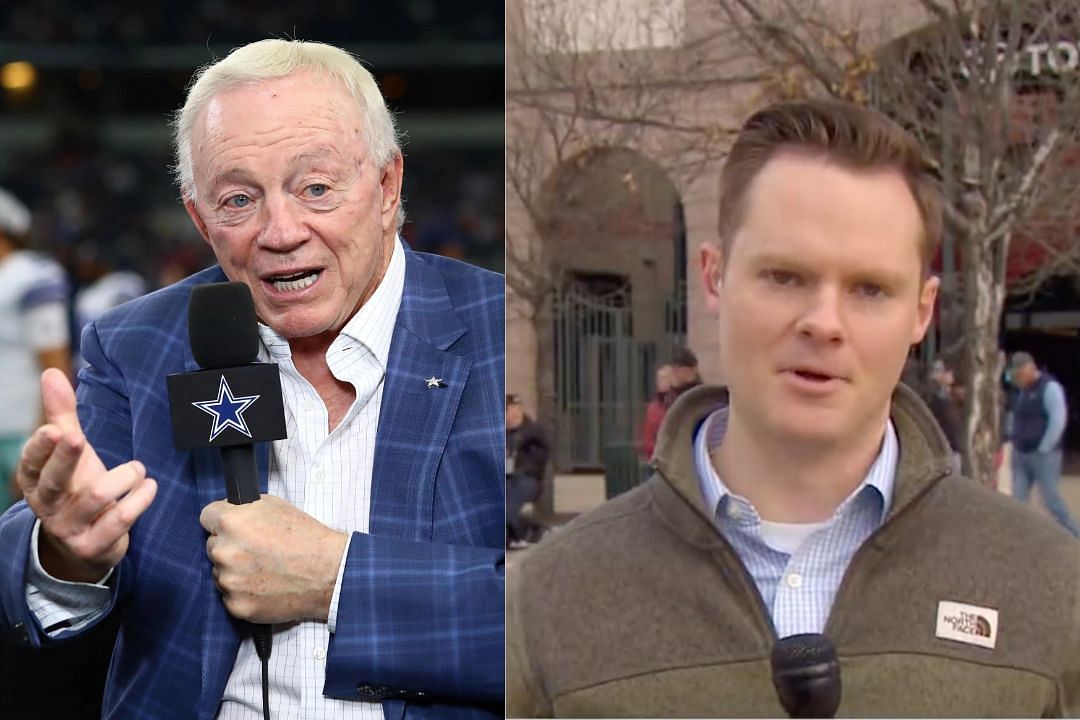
376 548
33 334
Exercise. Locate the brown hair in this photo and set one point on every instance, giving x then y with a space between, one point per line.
851 135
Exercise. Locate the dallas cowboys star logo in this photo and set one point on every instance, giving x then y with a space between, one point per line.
227 410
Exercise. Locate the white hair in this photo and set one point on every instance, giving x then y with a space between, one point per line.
269 59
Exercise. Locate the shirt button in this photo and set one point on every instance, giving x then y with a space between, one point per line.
318 475
733 511
319 654
794 580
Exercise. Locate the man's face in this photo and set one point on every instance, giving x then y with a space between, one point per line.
684 375
290 200
1025 375
820 299
515 415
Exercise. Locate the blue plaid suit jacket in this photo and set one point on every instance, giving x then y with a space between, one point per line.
421 613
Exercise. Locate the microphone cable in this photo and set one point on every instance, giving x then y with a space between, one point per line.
264 643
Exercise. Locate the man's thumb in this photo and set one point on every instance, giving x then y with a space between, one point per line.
58 397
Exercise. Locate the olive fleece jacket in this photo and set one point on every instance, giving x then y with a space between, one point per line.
641 608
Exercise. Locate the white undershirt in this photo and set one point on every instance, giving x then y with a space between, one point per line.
788 537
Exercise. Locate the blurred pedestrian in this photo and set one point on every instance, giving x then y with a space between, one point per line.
944 403
526 461
655 410
104 284
33 335
1039 417
684 370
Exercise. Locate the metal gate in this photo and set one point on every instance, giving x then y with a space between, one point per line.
601 375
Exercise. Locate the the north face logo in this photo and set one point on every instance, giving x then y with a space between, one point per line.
969 624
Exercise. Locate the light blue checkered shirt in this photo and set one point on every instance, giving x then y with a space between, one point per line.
798 589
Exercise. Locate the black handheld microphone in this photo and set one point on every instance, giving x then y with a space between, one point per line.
235 402
231 404
806 675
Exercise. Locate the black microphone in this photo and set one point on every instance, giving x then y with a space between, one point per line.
806 675
233 403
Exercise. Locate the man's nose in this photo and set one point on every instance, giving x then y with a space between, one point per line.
822 319
284 226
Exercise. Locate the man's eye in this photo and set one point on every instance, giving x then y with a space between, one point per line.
870 290
318 190
785 278
238 201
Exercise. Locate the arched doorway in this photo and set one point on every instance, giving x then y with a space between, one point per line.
615 236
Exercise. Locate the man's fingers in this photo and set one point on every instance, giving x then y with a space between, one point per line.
95 499
54 478
35 454
113 524
59 399
210 517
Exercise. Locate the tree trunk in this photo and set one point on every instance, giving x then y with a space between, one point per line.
981 358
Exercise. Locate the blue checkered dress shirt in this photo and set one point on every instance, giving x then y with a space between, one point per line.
798 589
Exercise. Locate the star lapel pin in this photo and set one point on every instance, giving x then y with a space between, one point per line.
434 382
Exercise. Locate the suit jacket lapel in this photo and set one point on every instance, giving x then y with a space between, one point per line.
416 416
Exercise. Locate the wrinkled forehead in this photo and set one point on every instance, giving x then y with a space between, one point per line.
258 110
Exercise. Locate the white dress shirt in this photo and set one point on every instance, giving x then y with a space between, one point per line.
325 474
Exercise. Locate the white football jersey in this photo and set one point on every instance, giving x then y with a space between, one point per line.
33 317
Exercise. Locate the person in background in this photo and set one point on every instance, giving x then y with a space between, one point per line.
943 403
655 410
103 286
1039 416
684 369
526 462
33 335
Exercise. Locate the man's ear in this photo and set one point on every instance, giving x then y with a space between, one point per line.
711 268
193 213
391 191
925 311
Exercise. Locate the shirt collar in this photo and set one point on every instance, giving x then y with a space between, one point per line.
372 325
710 434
